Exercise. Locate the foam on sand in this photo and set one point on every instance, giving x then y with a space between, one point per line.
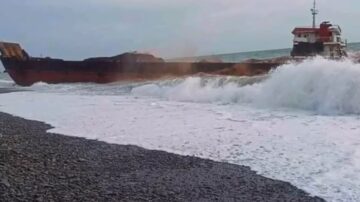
319 154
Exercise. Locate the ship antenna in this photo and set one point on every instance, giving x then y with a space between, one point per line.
314 12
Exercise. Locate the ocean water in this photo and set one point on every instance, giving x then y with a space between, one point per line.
264 54
300 123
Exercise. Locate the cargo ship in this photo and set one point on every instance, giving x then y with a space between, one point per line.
26 70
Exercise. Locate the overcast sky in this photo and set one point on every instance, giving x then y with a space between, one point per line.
75 29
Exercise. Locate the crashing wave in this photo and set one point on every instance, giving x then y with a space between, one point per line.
320 85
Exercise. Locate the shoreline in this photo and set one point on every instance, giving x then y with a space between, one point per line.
40 166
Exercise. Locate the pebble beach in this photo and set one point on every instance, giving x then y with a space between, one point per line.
40 166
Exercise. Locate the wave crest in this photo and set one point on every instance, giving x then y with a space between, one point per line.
320 85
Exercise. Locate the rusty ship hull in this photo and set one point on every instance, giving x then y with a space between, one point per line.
25 70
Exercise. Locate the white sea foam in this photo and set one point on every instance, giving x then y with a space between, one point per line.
320 85
354 55
4 81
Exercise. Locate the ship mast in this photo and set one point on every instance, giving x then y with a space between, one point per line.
314 12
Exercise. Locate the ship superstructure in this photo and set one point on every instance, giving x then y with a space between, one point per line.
325 40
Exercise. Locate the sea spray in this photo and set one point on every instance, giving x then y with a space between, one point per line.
201 89
320 85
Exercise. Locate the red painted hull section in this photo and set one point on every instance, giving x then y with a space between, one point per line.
28 72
